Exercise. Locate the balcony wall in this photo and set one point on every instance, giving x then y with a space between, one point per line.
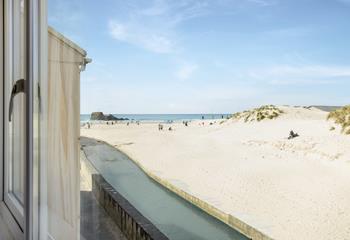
63 131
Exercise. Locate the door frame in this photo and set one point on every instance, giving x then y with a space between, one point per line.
35 204
1 98
29 151
37 79
35 226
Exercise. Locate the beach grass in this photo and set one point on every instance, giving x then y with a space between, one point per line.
258 114
342 117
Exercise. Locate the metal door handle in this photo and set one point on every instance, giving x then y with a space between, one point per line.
19 86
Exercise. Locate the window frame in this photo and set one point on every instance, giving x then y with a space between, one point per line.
7 217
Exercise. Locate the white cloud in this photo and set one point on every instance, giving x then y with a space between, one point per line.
141 37
67 17
117 30
154 26
158 43
263 2
312 74
344 1
186 71
156 9
314 70
175 11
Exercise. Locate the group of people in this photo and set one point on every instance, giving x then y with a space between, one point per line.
89 124
137 123
161 127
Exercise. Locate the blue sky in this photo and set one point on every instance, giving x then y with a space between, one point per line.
202 56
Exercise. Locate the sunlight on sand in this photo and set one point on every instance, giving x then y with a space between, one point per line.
288 189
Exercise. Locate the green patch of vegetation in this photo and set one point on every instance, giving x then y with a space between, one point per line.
259 114
341 116
332 129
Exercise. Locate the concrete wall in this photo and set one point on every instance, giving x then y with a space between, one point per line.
240 226
237 224
131 222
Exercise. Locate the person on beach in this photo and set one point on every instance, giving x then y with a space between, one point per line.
292 135
160 127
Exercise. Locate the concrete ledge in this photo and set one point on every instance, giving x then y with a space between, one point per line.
130 221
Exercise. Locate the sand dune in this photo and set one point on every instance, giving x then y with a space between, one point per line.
288 189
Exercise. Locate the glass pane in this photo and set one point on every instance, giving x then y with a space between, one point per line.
17 126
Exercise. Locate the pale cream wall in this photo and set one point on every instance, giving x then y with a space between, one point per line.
63 131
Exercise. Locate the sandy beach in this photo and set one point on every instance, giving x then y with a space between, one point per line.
287 189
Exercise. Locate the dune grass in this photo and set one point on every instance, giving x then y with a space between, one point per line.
258 114
342 117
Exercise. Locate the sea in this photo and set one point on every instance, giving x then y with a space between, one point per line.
162 117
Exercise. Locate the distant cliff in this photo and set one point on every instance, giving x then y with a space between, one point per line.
99 116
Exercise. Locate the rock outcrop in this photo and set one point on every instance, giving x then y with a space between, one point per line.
99 116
